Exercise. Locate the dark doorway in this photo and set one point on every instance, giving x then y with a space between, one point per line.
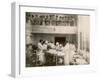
61 40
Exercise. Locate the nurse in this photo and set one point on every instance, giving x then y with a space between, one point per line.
67 52
40 52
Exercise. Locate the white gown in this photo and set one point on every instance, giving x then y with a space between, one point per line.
40 52
66 51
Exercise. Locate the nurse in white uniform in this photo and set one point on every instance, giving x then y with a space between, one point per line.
67 52
40 52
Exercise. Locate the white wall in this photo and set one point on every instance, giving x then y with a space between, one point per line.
5 40
84 31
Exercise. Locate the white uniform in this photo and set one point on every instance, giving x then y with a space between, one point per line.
40 52
66 51
44 47
61 52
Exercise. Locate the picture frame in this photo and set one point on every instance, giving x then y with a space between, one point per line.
18 68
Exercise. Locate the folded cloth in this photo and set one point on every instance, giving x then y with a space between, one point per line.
52 51
60 53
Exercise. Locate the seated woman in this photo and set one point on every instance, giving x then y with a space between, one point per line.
60 55
51 54
60 50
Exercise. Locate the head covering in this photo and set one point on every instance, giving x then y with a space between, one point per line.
57 43
46 41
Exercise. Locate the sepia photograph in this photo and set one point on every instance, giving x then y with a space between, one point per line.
56 39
